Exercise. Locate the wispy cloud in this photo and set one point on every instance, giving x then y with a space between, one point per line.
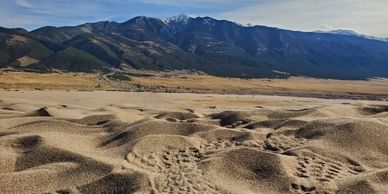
24 3
369 17
33 14
202 3
20 20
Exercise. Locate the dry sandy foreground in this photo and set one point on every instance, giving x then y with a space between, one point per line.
116 142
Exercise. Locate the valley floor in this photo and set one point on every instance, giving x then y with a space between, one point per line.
126 142
374 89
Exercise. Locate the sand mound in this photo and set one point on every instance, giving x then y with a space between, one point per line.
323 148
177 115
42 112
361 138
247 168
154 127
20 107
95 119
230 118
375 109
156 143
118 182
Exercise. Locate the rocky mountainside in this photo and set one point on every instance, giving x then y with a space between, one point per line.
217 47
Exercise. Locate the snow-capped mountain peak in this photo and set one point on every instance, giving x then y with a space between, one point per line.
353 33
177 23
344 32
182 18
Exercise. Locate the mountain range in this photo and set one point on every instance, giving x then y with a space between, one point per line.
217 47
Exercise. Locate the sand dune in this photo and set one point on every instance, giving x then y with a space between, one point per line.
113 142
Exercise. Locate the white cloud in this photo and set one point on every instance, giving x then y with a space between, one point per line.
326 27
188 2
20 20
369 17
34 14
24 3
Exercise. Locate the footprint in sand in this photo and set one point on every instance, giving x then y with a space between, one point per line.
323 170
300 188
222 144
282 143
176 171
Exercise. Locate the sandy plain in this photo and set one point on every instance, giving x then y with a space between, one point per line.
373 89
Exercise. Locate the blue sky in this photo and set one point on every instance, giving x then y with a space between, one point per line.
364 16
